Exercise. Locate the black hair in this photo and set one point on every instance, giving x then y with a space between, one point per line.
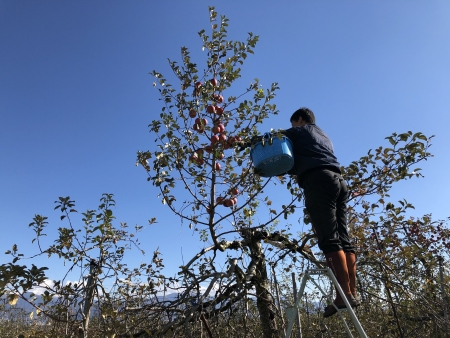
305 113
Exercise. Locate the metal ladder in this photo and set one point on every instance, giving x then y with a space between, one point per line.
292 312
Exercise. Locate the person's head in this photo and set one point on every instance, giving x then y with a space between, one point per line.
302 116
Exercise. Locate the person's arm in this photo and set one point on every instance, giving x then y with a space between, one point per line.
255 139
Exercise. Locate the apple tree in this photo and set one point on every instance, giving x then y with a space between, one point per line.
206 178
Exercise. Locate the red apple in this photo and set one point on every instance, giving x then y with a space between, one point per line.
196 160
211 109
216 130
219 200
228 203
221 156
222 138
209 149
201 122
218 166
219 110
221 127
234 200
235 191
213 82
192 113
218 98
197 90
214 139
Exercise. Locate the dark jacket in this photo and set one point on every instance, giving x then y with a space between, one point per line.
312 149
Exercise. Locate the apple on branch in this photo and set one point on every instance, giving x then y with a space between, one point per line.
219 110
197 89
201 122
196 160
218 98
214 139
228 203
222 138
216 130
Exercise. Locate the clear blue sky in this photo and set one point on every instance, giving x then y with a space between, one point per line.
76 97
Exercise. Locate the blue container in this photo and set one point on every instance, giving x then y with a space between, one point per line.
272 156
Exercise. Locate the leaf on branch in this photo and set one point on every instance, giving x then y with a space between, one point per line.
12 299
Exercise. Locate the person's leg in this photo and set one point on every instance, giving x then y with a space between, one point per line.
347 246
341 216
322 189
336 261
351 266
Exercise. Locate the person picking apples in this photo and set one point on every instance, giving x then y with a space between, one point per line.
319 175
325 191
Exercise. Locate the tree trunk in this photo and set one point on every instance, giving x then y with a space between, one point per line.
264 300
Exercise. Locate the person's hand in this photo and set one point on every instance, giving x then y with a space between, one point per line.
241 146
256 139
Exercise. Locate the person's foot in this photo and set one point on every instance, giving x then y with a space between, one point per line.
331 309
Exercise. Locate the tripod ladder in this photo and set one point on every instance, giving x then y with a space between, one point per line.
292 312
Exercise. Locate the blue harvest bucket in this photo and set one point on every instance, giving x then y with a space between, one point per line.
272 156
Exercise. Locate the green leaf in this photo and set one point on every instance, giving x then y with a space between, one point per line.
422 137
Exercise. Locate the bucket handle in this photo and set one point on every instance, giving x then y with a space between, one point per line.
268 137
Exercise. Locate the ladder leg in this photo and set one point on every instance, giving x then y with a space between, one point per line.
293 311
